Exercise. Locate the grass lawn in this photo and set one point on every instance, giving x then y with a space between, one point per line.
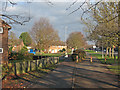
108 59
91 51
114 63
115 69
50 54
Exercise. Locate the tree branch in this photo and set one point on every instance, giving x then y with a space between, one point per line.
71 5
9 17
90 8
78 7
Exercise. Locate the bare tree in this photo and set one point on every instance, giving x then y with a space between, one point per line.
76 40
44 34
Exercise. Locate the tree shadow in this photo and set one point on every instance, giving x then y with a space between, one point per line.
84 71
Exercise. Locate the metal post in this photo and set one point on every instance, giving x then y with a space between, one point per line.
65 42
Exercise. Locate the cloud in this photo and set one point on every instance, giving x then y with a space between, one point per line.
57 15
11 9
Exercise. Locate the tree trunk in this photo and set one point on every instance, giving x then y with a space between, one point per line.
113 52
107 51
119 31
110 52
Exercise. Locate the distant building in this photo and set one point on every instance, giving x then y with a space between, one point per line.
4 28
18 47
56 49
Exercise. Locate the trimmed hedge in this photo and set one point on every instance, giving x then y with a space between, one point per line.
80 53
20 56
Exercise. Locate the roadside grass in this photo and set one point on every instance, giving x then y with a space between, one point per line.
50 54
111 61
108 59
115 69
91 51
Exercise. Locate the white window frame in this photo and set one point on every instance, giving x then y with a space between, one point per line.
2 50
1 29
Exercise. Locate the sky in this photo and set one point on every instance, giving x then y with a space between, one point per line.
57 14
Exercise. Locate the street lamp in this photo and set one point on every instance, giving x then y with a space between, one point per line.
65 42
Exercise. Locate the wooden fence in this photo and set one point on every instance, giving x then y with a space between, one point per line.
20 67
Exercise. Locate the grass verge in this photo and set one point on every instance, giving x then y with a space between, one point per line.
113 62
91 51
115 69
50 54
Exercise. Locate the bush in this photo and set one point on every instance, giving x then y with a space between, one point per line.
28 56
10 49
74 56
23 50
81 54
20 55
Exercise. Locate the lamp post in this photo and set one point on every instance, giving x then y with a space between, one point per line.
65 42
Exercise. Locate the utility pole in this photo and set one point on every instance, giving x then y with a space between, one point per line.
65 42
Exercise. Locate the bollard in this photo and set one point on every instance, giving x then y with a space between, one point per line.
76 59
91 59
105 60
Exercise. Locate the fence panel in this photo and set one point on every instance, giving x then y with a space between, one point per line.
26 66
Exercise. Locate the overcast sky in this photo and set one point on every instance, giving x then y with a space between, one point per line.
57 14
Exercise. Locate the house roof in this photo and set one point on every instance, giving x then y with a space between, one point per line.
4 24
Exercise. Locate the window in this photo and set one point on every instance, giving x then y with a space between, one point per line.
1 30
1 50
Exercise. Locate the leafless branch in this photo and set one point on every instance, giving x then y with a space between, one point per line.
78 7
71 5
49 2
90 8
11 2
16 21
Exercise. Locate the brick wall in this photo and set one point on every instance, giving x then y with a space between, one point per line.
5 45
4 40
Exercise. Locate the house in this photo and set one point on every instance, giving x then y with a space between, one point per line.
4 28
56 49
18 47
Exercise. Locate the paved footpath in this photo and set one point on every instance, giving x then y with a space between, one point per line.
81 75
94 75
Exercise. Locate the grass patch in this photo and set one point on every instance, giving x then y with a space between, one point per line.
91 51
108 59
115 69
50 54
